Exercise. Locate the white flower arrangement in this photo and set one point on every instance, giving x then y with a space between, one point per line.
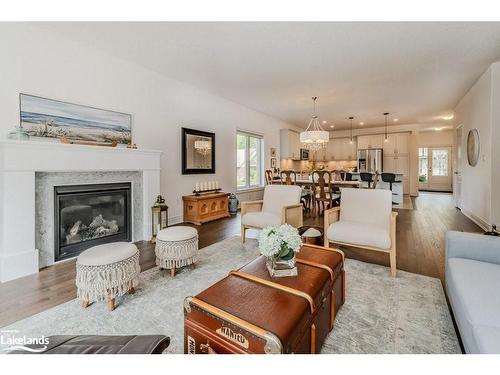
281 242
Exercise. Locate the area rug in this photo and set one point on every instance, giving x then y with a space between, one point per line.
407 314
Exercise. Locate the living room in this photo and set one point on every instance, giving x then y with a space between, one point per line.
249 187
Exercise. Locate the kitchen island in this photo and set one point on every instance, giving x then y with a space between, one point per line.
397 187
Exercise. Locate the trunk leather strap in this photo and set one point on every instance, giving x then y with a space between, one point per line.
317 265
274 285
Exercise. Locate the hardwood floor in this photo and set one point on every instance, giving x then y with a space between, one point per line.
420 248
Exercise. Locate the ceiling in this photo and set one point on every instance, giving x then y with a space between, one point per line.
416 71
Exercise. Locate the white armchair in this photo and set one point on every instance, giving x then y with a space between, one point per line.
281 204
364 220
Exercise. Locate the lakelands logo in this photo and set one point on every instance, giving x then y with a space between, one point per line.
12 340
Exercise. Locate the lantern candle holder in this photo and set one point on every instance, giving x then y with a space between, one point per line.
159 219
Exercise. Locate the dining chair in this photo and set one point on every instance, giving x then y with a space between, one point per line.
288 177
269 176
322 191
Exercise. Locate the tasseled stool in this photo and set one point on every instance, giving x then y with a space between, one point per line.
108 271
176 247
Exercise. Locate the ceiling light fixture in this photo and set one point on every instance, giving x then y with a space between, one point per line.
314 137
386 114
361 123
395 120
332 126
448 117
351 118
323 122
438 129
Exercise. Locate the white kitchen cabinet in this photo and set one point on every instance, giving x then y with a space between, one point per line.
289 144
370 141
397 143
349 150
341 149
398 164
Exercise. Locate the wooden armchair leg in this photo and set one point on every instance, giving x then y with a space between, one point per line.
243 230
392 258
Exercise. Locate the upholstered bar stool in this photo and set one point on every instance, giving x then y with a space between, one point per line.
176 247
391 179
106 272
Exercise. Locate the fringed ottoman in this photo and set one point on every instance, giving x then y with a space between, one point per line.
106 272
176 247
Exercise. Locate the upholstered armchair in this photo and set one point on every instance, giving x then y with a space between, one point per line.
364 220
281 204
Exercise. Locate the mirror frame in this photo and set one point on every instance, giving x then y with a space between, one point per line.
185 169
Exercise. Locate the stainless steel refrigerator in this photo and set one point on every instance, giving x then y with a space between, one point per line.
370 160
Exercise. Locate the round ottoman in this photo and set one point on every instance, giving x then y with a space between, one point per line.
106 272
176 247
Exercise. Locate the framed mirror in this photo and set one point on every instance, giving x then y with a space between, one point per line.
473 147
198 152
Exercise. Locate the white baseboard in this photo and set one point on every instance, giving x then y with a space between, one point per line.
482 223
175 220
14 266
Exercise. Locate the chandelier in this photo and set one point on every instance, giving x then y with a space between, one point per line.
314 137
203 147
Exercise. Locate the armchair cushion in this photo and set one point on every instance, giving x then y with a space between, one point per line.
278 196
368 206
260 219
358 233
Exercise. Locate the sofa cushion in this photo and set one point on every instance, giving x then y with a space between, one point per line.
369 206
487 339
470 285
359 234
261 219
278 196
475 282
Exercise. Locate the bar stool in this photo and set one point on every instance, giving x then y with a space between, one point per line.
391 179
366 177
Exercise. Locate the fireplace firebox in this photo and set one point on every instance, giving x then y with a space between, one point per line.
89 215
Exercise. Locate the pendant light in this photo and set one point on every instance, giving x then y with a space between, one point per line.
386 114
351 140
314 137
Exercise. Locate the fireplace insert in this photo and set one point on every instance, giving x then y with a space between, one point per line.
89 215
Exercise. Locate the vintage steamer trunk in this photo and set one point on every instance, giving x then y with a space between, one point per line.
250 312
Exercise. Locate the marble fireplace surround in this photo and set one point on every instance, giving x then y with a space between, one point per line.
28 172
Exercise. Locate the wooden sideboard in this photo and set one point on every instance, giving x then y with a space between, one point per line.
199 209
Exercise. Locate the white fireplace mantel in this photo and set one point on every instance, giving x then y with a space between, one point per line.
20 160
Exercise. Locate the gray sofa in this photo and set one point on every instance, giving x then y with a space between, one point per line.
473 288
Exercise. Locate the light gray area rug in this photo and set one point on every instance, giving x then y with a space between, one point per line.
407 314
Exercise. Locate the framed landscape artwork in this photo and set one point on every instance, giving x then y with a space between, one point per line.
41 117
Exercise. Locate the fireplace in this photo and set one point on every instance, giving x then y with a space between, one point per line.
89 215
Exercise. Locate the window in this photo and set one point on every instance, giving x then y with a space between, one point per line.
423 164
248 160
440 162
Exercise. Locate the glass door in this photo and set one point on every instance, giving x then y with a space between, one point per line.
439 176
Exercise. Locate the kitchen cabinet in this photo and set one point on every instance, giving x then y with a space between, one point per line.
398 164
341 149
397 143
370 141
289 144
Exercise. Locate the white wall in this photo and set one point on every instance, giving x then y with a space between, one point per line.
36 61
479 109
436 138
